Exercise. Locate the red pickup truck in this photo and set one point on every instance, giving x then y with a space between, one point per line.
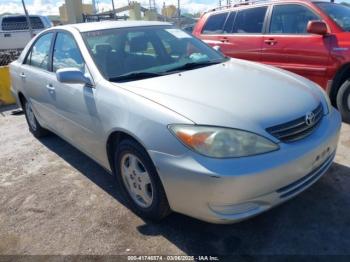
310 38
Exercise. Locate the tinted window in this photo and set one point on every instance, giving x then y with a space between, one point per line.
39 54
250 20
215 24
229 22
20 23
66 53
291 19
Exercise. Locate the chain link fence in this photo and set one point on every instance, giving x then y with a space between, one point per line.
9 55
19 22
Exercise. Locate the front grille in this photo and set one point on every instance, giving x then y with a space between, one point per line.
298 128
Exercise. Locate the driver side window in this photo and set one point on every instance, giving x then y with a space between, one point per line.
291 19
66 53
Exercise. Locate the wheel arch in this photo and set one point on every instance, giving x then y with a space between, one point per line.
342 74
114 138
21 98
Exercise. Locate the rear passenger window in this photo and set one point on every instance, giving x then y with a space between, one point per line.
250 21
13 23
215 24
229 22
291 19
39 54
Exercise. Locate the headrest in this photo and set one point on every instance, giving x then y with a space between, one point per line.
138 44
102 48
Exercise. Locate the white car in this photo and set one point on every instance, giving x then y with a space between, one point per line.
14 30
181 126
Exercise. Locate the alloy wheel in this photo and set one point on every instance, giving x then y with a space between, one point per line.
30 116
137 180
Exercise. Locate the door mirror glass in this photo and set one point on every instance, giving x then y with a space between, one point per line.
72 76
317 27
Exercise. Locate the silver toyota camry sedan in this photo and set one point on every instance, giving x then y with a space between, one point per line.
182 127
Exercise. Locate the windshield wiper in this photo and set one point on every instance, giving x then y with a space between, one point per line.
134 76
194 65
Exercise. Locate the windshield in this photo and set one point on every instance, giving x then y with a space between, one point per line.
126 54
338 12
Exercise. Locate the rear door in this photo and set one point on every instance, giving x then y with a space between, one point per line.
238 33
213 31
34 73
244 33
288 45
75 105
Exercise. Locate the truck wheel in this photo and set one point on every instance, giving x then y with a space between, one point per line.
34 127
343 101
140 182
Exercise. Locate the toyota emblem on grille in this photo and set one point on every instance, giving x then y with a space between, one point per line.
310 119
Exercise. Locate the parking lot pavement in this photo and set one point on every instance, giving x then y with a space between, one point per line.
55 200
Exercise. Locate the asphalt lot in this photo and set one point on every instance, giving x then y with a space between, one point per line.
55 200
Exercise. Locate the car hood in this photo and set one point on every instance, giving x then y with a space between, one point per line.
237 94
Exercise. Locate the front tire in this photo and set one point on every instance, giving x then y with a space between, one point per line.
140 182
343 101
34 127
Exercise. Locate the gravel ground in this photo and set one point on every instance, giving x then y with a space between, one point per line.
55 200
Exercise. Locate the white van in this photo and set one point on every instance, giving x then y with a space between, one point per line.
14 30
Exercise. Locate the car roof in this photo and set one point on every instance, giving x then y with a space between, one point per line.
94 26
21 16
258 3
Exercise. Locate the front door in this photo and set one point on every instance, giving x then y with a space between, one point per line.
75 103
214 31
244 33
288 45
238 33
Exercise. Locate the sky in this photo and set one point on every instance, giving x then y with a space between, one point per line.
50 7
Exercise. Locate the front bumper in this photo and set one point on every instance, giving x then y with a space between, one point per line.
231 190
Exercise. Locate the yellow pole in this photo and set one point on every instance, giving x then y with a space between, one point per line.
6 97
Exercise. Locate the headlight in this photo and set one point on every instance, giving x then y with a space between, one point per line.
220 142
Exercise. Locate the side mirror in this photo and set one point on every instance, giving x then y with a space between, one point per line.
217 48
72 76
317 27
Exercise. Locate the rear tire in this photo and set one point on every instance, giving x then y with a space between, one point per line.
34 127
152 203
343 101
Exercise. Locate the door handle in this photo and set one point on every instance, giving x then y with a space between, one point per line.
270 41
224 40
22 75
50 87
